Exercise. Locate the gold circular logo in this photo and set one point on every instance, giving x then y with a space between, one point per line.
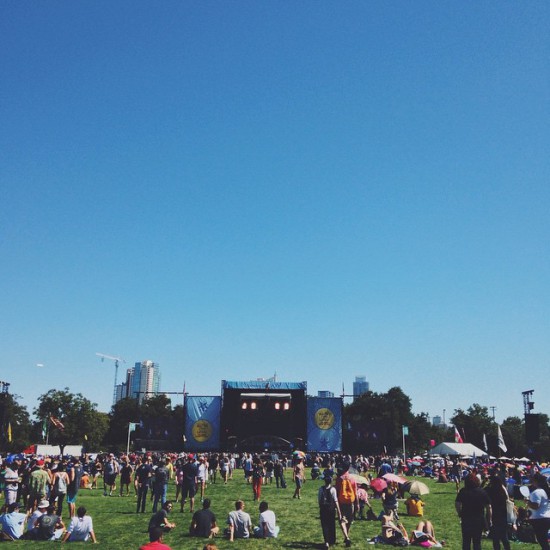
324 418
201 431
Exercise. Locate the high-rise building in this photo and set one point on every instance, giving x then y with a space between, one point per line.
360 386
325 393
142 381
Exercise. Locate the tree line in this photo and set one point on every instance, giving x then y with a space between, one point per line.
373 424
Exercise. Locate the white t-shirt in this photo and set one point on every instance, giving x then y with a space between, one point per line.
267 518
80 528
540 497
203 472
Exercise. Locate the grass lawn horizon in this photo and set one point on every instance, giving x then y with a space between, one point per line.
119 527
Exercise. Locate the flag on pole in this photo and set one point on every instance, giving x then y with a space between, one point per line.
485 446
405 430
57 423
132 426
9 432
501 443
44 429
458 437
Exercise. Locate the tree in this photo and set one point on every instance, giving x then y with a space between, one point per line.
473 424
122 413
72 419
15 424
374 421
513 431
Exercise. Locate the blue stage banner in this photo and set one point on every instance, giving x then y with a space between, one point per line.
324 424
202 423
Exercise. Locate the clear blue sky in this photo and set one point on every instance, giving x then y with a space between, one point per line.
321 189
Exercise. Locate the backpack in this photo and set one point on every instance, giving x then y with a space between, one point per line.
347 492
161 476
327 502
60 485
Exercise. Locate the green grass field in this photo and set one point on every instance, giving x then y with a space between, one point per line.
117 526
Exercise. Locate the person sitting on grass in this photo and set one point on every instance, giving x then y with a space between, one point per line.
424 535
49 526
12 523
203 523
81 528
160 518
155 540
392 533
239 523
267 528
415 506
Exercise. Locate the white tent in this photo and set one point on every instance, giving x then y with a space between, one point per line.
457 449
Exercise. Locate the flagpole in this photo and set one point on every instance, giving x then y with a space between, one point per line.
128 443
404 456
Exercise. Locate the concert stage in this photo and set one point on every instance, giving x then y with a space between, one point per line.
261 415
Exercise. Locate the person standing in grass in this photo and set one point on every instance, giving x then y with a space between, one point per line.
142 480
126 476
110 473
257 477
75 472
190 472
328 506
160 485
346 489
539 504
499 499
38 480
298 475
474 509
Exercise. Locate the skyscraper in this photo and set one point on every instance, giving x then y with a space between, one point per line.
142 381
360 386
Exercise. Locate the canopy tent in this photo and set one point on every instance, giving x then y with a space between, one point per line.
457 449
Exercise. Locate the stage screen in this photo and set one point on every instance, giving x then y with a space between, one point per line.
324 424
202 423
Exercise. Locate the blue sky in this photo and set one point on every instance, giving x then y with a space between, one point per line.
320 189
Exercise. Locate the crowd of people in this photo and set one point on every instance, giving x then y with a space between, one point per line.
39 491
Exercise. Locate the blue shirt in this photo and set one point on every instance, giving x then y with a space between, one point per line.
13 524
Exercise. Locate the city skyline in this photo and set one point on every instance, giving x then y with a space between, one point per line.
316 189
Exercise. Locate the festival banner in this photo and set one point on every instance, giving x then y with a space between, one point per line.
324 424
202 423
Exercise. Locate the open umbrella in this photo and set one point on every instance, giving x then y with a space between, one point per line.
360 480
299 454
417 488
545 472
392 477
378 484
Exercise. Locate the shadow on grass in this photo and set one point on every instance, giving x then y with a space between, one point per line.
302 544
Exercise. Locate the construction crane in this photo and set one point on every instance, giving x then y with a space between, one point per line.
117 360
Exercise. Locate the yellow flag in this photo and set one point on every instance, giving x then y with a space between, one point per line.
85 437
9 432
